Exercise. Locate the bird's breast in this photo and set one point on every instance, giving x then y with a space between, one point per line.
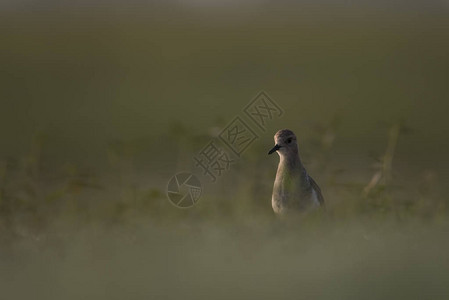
292 192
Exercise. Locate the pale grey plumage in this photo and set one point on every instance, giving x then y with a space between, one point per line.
294 190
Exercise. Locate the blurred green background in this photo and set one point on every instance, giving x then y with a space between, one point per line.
102 103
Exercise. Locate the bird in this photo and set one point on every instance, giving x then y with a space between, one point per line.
293 190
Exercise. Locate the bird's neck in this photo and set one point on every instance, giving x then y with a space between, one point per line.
291 167
291 163
291 181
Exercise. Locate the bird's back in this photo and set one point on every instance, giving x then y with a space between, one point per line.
317 190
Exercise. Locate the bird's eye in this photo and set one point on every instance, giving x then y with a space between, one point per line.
289 141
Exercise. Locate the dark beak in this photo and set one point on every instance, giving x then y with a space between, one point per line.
274 149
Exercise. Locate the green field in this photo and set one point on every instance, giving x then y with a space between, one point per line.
100 105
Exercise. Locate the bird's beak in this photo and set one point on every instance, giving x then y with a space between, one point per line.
274 149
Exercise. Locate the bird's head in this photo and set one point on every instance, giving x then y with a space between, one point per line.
285 143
